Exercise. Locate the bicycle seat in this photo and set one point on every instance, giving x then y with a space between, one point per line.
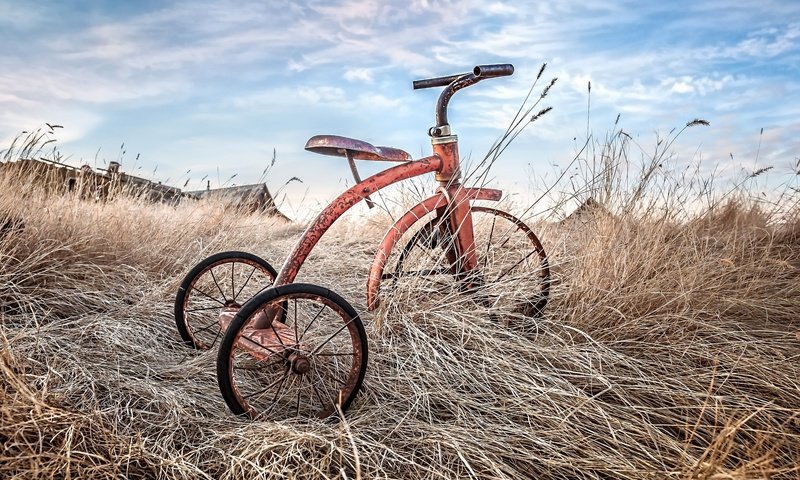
338 147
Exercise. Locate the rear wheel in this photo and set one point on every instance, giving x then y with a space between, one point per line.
222 281
513 273
305 365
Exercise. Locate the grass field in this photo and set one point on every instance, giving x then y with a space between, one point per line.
670 346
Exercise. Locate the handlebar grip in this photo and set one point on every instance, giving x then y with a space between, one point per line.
490 71
481 72
437 82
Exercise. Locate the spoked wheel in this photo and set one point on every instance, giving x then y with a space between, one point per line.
221 282
303 366
513 273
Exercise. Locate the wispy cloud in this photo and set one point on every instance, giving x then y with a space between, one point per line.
127 67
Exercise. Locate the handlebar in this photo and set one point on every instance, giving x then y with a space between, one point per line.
453 83
492 71
481 72
436 82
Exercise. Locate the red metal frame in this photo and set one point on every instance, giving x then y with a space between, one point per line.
451 201
264 334
404 223
343 203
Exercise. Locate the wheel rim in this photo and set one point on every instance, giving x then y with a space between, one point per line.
513 273
226 283
313 361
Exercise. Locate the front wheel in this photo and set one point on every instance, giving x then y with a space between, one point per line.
512 272
310 358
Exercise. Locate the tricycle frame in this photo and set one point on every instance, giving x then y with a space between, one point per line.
262 327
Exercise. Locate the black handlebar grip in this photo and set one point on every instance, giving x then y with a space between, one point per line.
437 82
489 71
480 72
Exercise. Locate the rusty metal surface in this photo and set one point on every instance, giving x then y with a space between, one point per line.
450 170
463 81
338 146
299 356
454 83
461 224
344 202
262 342
483 72
436 82
404 223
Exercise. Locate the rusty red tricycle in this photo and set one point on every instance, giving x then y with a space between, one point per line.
296 349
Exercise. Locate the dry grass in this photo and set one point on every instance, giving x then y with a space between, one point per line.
670 348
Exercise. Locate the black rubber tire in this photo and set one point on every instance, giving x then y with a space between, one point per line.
432 238
207 265
284 295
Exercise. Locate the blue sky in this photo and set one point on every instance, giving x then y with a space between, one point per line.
216 86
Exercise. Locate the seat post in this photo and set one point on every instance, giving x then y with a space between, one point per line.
356 176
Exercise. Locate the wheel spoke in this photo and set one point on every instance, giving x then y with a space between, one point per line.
201 309
207 327
322 309
216 337
277 335
489 243
347 324
258 344
295 322
207 295
280 389
268 387
245 283
299 391
314 387
213 277
515 266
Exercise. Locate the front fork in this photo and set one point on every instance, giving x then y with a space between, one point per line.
460 251
455 225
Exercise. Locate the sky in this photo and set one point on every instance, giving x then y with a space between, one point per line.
214 88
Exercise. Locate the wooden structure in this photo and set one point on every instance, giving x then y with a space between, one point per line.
589 210
249 198
104 184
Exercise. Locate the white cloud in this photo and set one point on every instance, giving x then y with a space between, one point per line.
358 74
682 86
321 94
349 54
499 8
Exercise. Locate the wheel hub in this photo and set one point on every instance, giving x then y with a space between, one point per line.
300 363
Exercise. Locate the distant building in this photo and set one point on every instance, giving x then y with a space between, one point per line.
103 184
250 198
589 210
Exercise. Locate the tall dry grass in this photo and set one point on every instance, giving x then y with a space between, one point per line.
669 348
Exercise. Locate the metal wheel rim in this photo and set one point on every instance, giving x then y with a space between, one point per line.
350 385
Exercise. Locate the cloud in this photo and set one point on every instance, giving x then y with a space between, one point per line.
499 8
657 62
358 75
21 15
322 95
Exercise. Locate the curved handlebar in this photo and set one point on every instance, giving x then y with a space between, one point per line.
481 72
436 82
453 83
